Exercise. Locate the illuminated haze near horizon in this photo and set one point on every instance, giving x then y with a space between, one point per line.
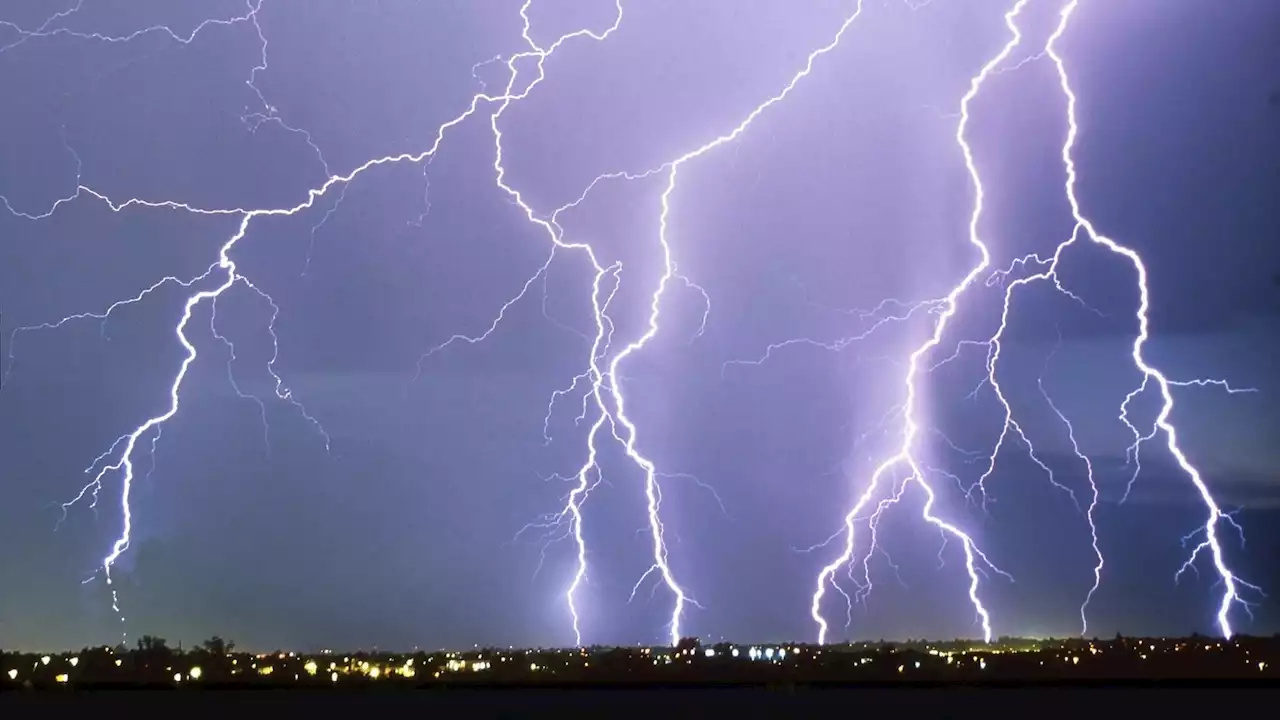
363 450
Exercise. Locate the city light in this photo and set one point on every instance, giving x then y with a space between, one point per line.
958 660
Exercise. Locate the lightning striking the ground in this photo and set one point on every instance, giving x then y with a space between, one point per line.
1233 585
224 275
974 558
613 410
1090 513
598 386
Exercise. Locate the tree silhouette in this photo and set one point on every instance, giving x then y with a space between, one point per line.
688 643
152 645
152 656
217 646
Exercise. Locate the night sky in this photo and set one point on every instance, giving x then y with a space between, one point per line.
406 529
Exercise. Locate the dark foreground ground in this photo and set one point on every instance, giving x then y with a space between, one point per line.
951 679
940 701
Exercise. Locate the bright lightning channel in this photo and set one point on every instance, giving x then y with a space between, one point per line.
608 378
589 474
652 491
604 400
1230 581
225 271
1093 489
975 560
1232 584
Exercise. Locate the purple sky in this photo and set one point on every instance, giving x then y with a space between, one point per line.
851 190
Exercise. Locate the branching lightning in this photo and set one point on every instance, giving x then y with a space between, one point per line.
606 380
1047 272
975 560
1090 513
1232 584
653 492
224 274
599 385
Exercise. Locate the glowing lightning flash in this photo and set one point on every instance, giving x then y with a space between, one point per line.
1093 490
225 269
1151 375
974 558
1232 584
610 376
603 400
652 491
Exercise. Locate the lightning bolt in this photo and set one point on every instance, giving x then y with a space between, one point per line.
47 29
600 381
609 377
1093 489
975 560
653 492
1046 272
588 475
605 380
224 274
1232 584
